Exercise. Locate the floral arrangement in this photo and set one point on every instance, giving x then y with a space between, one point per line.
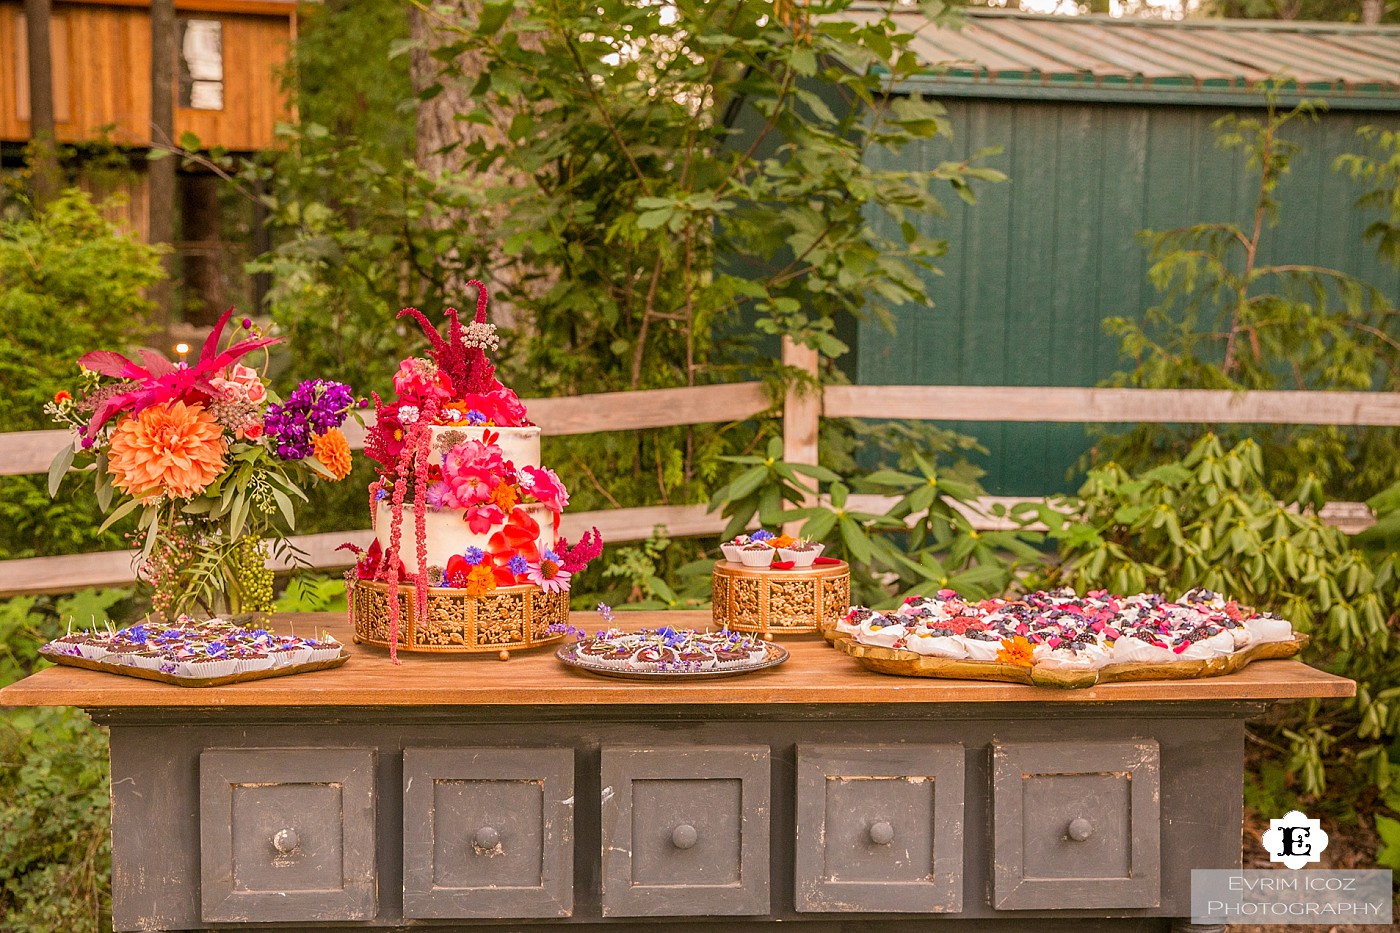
456 386
209 456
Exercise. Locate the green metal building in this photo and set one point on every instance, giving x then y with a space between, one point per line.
1106 130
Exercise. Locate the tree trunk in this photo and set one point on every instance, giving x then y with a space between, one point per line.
441 140
1371 11
201 247
162 171
45 177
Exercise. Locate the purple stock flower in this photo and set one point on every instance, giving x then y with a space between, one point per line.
313 408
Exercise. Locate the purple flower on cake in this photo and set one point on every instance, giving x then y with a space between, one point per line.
518 565
761 535
475 417
437 495
473 556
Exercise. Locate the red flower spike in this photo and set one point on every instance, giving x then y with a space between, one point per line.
161 380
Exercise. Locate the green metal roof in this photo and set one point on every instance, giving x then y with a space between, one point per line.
1202 62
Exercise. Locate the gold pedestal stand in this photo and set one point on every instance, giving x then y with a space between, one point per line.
499 622
780 602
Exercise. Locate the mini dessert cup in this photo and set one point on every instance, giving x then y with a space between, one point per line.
801 555
326 649
211 667
757 555
732 552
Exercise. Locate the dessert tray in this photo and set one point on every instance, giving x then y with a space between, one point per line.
161 677
665 654
1060 639
190 653
909 664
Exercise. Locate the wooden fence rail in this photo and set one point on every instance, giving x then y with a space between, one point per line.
30 452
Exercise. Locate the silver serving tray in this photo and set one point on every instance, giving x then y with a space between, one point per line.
568 654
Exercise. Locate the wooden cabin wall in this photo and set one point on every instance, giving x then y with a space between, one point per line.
108 66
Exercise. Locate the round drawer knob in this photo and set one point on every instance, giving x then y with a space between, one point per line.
684 836
486 839
881 833
1080 829
286 841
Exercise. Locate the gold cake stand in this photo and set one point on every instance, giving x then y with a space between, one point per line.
780 602
506 619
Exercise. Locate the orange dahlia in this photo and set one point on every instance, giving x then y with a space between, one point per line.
333 450
174 449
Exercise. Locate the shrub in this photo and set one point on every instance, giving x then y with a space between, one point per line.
1210 519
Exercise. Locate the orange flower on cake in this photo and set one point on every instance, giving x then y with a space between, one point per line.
1017 650
174 449
333 450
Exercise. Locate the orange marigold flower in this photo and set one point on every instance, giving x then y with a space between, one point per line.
480 580
780 541
61 396
333 450
175 449
1016 651
505 496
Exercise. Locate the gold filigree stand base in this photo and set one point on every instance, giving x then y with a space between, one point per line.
780 602
507 619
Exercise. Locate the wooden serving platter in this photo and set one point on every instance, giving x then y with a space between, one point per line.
911 664
128 670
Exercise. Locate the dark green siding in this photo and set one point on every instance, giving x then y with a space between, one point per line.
1040 261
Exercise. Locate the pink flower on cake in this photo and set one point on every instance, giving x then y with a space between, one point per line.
421 379
483 518
547 574
545 486
439 494
500 406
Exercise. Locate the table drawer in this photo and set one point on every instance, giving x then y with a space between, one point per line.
287 834
685 831
879 828
488 832
1076 824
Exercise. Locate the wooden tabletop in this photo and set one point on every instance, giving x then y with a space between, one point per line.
815 673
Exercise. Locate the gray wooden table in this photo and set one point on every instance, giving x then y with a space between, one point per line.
478 794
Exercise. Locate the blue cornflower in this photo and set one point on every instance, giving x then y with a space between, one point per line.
473 556
519 564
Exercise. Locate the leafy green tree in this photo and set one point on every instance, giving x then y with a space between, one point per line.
69 282
1227 320
1211 519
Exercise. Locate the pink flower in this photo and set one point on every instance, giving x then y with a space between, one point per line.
250 432
545 486
242 384
501 406
483 518
438 495
548 575
421 379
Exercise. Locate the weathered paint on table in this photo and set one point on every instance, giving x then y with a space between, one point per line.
476 793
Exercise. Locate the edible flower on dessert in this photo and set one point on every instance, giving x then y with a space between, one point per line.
1016 650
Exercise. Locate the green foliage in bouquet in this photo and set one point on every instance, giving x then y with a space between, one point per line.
1210 520
1228 320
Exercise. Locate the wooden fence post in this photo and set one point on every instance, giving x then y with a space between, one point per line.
802 411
